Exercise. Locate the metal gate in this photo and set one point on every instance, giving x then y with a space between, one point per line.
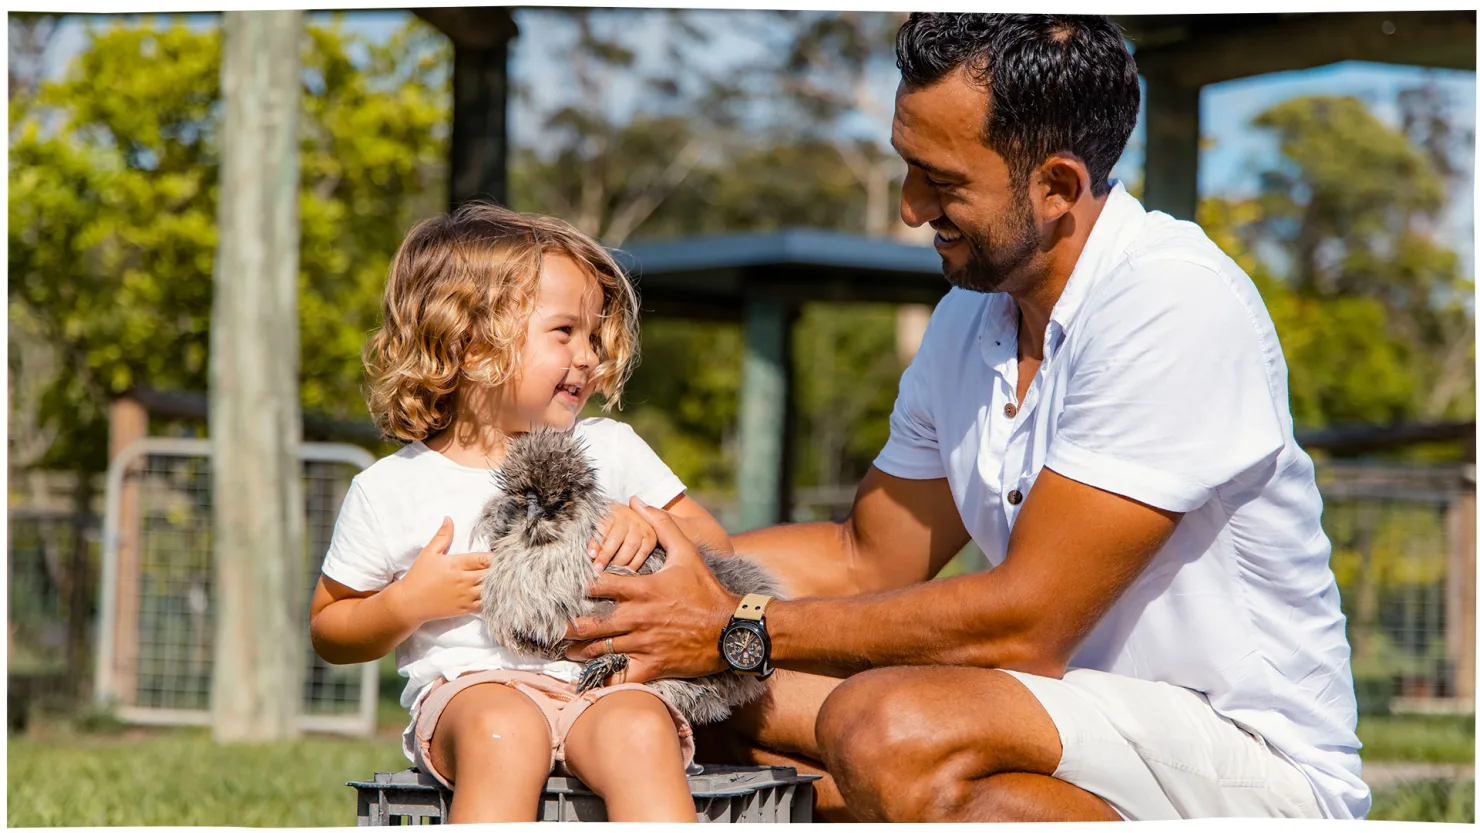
156 627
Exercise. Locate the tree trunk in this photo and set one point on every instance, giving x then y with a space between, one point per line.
254 415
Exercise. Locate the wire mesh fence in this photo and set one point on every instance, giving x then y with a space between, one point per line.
53 557
156 634
1402 550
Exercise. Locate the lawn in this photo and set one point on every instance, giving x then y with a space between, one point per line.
1436 739
182 778
61 777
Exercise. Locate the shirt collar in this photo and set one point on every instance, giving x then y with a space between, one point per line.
1108 244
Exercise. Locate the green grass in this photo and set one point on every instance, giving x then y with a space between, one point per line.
63 777
183 778
1438 739
1429 800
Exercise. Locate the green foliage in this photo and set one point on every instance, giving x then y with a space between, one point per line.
1373 310
112 232
112 211
682 398
846 392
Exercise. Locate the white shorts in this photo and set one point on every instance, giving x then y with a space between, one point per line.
1159 751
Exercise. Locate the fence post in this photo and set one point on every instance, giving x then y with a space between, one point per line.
1460 621
254 413
127 421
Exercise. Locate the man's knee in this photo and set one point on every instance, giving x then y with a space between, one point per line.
874 714
878 739
883 738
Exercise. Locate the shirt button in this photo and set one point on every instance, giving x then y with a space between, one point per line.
1014 497
1009 409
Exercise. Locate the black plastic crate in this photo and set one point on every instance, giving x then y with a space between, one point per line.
721 794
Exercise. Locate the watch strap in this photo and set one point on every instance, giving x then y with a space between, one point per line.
752 607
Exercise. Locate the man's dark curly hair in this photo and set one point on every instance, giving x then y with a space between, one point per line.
1057 83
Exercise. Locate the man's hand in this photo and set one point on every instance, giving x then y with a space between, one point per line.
439 586
668 623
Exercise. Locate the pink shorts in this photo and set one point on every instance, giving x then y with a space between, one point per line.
556 699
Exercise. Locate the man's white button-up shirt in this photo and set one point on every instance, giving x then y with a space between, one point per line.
1162 380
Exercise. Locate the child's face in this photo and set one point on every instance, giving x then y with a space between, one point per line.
559 355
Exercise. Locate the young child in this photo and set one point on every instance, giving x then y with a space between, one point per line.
496 323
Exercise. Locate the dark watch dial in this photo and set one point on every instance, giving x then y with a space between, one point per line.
743 648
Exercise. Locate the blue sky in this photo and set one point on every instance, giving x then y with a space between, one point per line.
1227 167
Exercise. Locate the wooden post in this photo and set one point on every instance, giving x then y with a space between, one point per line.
1172 125
127 421
765 408
255 427
1460 599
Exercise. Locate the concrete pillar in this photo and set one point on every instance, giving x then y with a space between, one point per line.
762 473
1172 121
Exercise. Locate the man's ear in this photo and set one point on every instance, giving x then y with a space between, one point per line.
1061 182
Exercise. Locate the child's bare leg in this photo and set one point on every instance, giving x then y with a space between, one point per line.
493 744
624 747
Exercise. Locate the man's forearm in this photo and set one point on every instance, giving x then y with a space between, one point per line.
967 620
811 559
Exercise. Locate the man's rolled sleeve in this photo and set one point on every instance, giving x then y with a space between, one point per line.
1170 394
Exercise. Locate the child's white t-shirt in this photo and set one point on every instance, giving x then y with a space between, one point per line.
394 507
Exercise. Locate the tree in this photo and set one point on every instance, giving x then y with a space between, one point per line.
828 76
718 150
606 171
1352 212
113 200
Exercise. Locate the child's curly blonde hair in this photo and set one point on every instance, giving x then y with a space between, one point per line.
457 305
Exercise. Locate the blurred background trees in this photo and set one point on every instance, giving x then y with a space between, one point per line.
649 124
112 193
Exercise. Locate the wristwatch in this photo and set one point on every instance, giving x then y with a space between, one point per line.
744 643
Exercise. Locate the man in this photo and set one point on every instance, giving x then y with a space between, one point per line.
1100 404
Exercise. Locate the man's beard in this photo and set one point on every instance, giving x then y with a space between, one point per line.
1000 253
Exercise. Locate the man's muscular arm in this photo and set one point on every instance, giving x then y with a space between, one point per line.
899 532
1028 614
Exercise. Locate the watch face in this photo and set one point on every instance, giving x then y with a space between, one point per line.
744 649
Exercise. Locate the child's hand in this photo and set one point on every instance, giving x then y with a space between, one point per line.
625 540
440 586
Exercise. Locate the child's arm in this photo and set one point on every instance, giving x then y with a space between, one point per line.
349 626
699 526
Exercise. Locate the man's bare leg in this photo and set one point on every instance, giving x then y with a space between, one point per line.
947 744
779 730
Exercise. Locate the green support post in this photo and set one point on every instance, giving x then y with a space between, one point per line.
765 409
1172 130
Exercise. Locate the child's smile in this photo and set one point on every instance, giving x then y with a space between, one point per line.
560 348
